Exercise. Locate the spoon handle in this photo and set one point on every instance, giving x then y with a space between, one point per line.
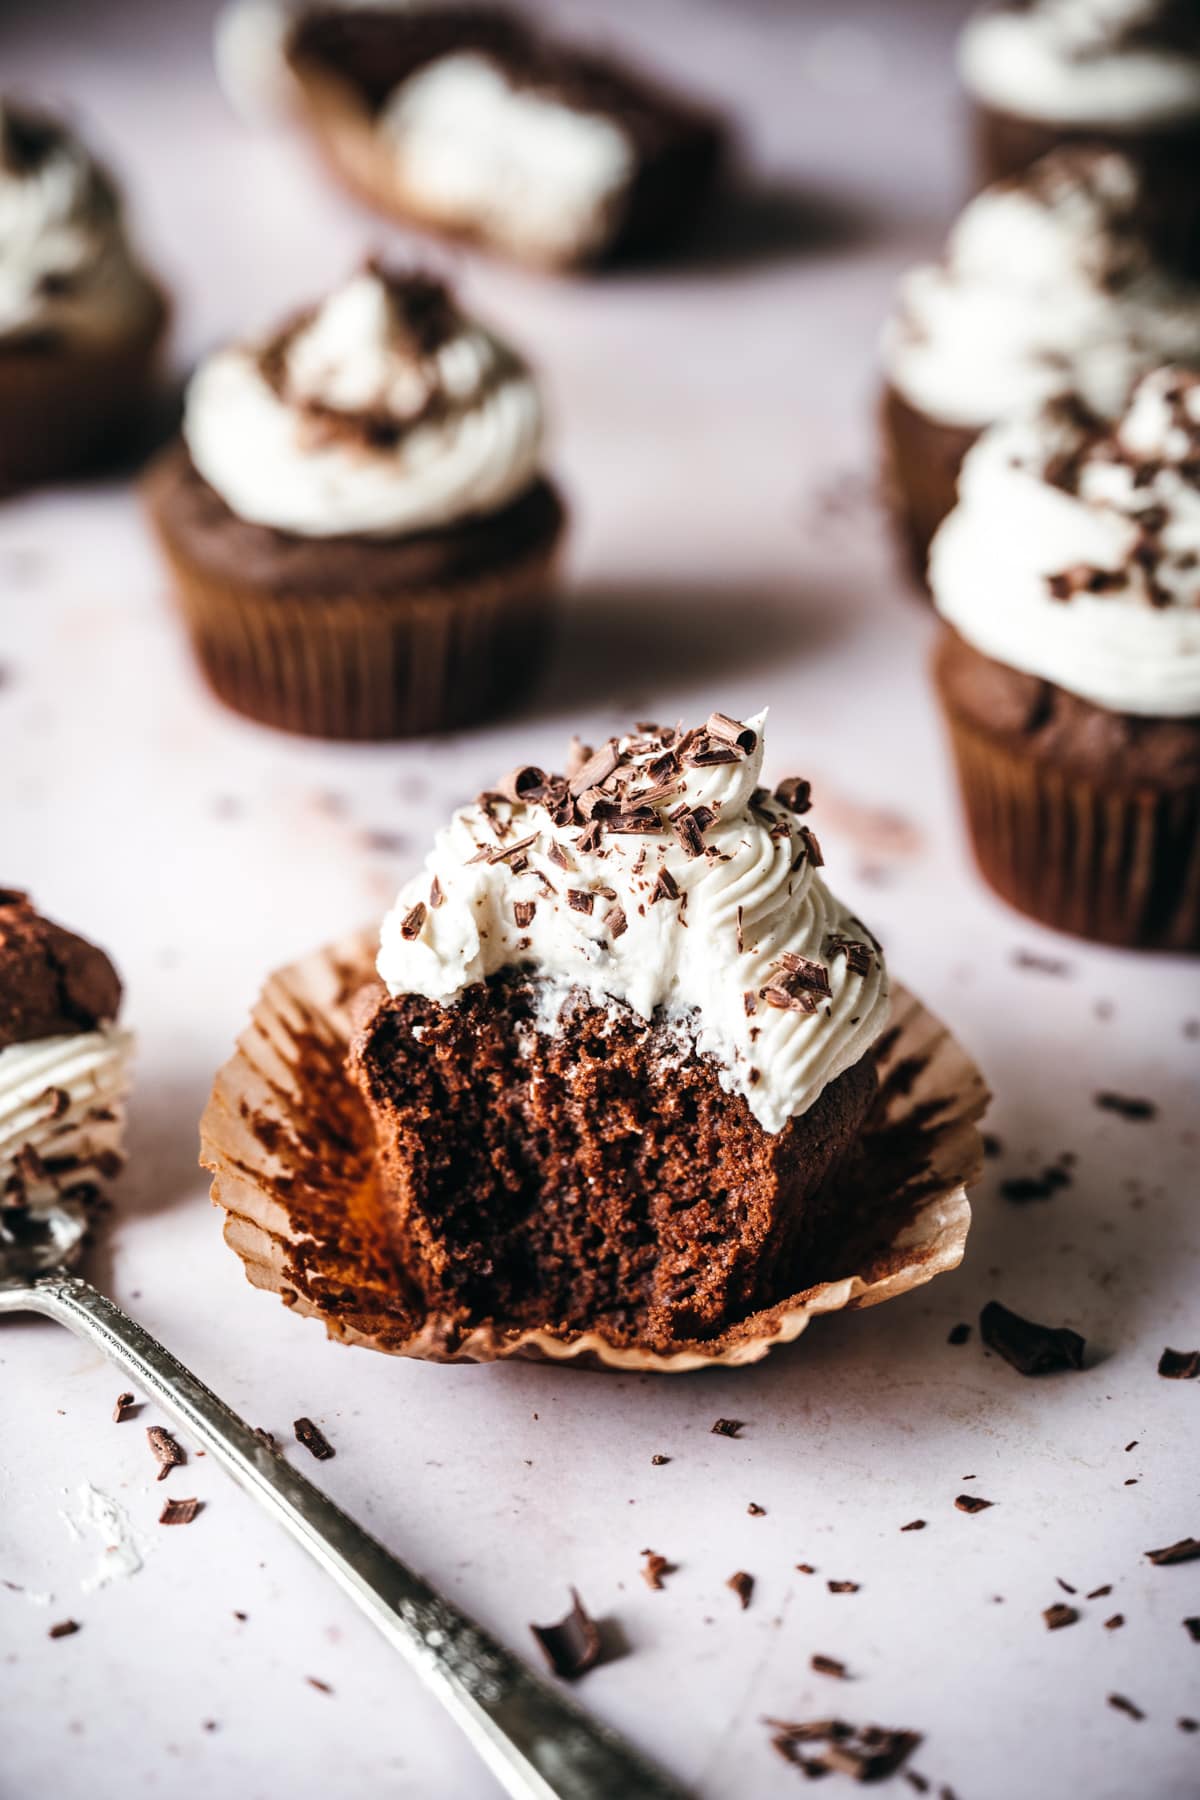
538 1744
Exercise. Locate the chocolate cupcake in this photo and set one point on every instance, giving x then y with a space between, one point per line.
1048 286
1069 671
64 1066
1125 74
469 120
361 537
624 1046
80 320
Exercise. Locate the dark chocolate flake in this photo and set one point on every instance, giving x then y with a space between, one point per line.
1115 1623
580 901
1126 1106
121 1409
828 1665
958 1334
1100 1592
756 1511
742 1585
726 1427
665 887
795 793
64 1628
179 1512
1059 1614
658 1460
523 911
1029 1348
167 1452
842 1587
1120 1703
655 1568
914 1525
971 1503
413 920
313 1438
1192 1627
1179 1365
616 921
571 1647
1186 1550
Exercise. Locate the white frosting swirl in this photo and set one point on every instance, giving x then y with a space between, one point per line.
518 167
1091 579
1046 287
365 430
690 957
1079 63
66 267
62 1106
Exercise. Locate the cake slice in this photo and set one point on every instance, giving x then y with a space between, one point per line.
623 1045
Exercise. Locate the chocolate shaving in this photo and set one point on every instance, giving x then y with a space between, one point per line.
168 1453
573 1646
64 1628
322 1687
436 895
1126 1106
580 901
1186 1550
179 1512
971 1503
637 819
596 769
958 1334
504 852
1192 1627
726 1427
121 1409
1179 1365
870 1753
856 953
654 1568
756 1511
687 829
1029 1348
914 1525
842 1587
590 838
1119 1703
731 731
616 921
313 1438
665 888
410 925
523 911
828 1665
1100 1592
742 1585
522 784
795 794
1058 1615
1115 1623
558 855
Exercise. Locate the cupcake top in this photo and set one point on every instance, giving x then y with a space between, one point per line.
67 273
381 412
1074 551
52 983
656 873
1123 64
1047 286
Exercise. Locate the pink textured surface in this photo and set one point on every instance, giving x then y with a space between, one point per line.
702 415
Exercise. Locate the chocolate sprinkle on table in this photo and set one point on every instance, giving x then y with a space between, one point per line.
756 1511
322 1687
313 1438
1058 1615
121 1409
958 1334
1100 1592
654 1568
1186 1550
179 1512
914 1525
828 1665
1115 1623
1179 1365
1120 1704
1065 1585
726 1427
658 1460
1029 1348
843 1587
168 1453
1126 1106
64 1628
1192 1627
573 1646
971 1503
742 1585
1188 1724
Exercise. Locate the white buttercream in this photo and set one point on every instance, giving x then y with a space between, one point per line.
753 896
276 461
516 166
65 264
1067 62
1046 287
1134 646
73 1138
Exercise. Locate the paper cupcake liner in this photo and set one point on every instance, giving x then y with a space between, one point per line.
1117 865
61 408
921 461
290 1146
375 666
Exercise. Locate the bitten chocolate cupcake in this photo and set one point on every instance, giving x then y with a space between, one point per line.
626 1045
1048 285
361 537
1069 579
471 121
64 1065
1124 73
80 320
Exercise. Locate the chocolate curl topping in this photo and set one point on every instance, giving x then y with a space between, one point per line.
522 784
578 755
410 925
732 732
596 769
795 793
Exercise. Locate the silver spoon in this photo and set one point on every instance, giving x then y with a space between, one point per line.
537 1743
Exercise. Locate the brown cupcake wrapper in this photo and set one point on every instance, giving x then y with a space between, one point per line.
291 1149
1116 865
374 666
921 462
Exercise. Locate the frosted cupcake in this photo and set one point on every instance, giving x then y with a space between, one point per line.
1048 285
362 539
64 1065
624 1045
1069 579
80 320
1125 73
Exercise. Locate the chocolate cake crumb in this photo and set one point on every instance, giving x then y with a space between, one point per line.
167 1452
179 1512
1115 1623
121 1409
971 1503
64 1628
828 1665
1029 1348
726 1427
267 1437
843 1587
1179 1365
573 1646
1186 1550
958 1334
914 1525
658 1460
313 1438
1058 1615
1126 1106
1119 1703
654 1568
1099 1593
1192 1627
742 1585
756 1511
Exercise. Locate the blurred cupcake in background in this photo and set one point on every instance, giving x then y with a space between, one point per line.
362 538
1068 576
1122 72
1047 285
470 121
80 319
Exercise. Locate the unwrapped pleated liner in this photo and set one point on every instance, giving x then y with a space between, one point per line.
291 1150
